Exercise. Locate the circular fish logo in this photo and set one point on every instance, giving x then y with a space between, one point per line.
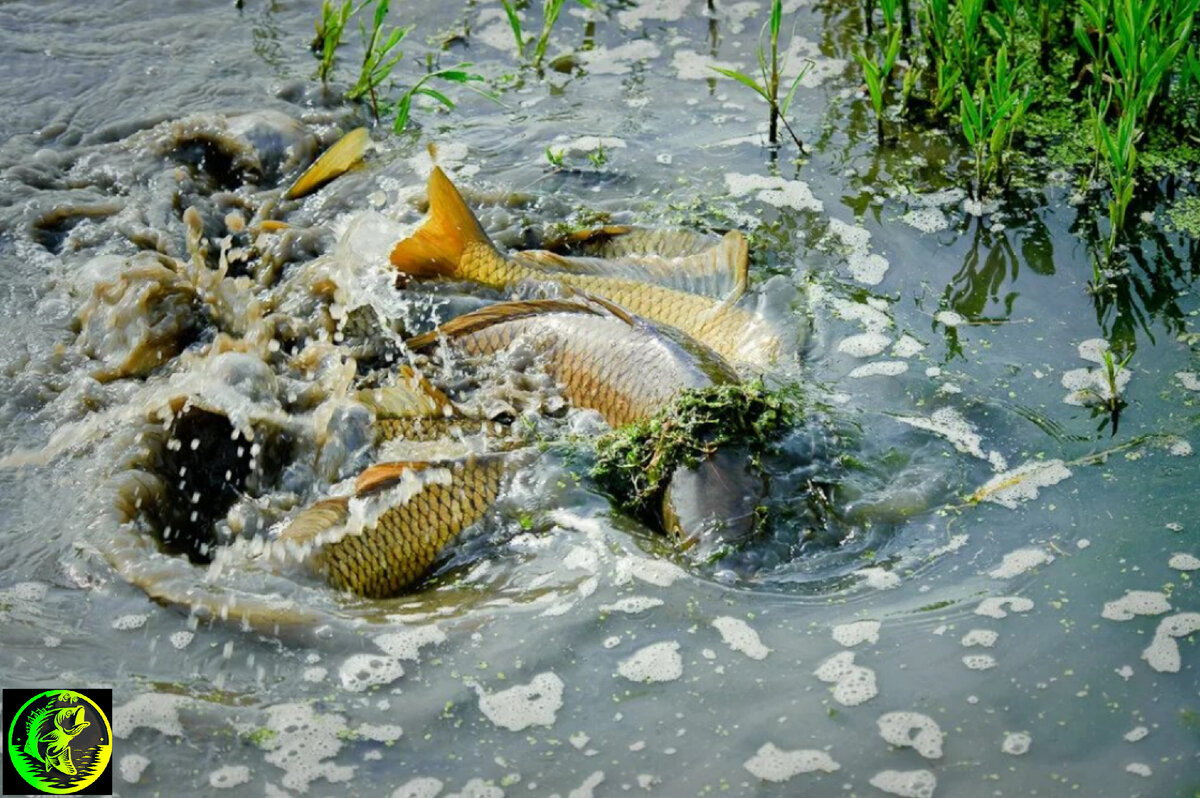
59 742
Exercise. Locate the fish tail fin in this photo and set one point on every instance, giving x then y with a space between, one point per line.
437 246
501 312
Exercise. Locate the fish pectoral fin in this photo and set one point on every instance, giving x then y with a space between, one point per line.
496 314
410 396
437 246
383 475
317 518
334 162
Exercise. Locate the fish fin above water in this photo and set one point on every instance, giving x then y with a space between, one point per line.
312 521
345 153
381 475
437 246
720 271
502 312
410 396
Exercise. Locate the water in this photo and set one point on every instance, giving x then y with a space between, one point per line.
580 654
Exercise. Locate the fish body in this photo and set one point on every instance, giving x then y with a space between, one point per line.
604 359
401 518
52 746
452 243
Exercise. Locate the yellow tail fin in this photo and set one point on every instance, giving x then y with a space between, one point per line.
437 247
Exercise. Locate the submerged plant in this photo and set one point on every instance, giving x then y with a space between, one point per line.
771 77
550 12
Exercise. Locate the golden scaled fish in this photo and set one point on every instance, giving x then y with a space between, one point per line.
452 243
412 409
388 535
604 359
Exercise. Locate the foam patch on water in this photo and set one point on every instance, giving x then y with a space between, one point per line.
379 732
407 644
689 65
1134 603
130 622
618 60
864 344
879 578
420 787
948 318
362 671
770 763
948 423
980 637
927 220
1189 380
1136 734
979 662
477 788
132 766
158 711
777 191
1016 743
881 368
229 777
1021 484
659 11
302 743
856 633
525 705
995 606
852 684
906 783
654 572
907 346
912 730
588 788
738 635
632 604
1183 561
659 662
1163 652
854 243
1139 769
1018 562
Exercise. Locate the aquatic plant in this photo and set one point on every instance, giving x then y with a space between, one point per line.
456 74
550 12
877 73
555 159
771 74
329 35
634 462
991 116
377 60
598 156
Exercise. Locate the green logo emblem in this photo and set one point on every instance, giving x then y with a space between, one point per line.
58 741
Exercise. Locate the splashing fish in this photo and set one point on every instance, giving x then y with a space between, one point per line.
451 243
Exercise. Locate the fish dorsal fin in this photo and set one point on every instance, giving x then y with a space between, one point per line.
382 475
499 313
314 520
437 246
410 396
335 161
721 271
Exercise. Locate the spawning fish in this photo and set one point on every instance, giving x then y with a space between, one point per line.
605 359
452 243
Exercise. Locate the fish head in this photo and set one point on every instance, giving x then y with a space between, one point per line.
71 721
714 504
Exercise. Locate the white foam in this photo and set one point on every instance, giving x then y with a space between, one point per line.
132 766
129 622
420 787
158 711
1136 734
777 191
948 423
738 635
907 346
361 671
1018 562
855 633
993 607
880 368
659 11
948 318
1016 743
1139 769
1021 484
524 705
980 637
864 345
1163 652
1135 602
879 578
228 777
979 662
302 743
770 763
898 728
1184 562
407 644
658 662
618 60
927 220
1189 380
379 732
853 684
651 571
478 788
632 604
906 783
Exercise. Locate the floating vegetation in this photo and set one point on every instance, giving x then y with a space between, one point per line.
634 462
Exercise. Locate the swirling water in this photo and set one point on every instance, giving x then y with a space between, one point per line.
564 649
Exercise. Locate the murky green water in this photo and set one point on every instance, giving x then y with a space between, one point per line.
577 654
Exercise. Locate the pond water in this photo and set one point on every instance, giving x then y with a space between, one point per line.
962 622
